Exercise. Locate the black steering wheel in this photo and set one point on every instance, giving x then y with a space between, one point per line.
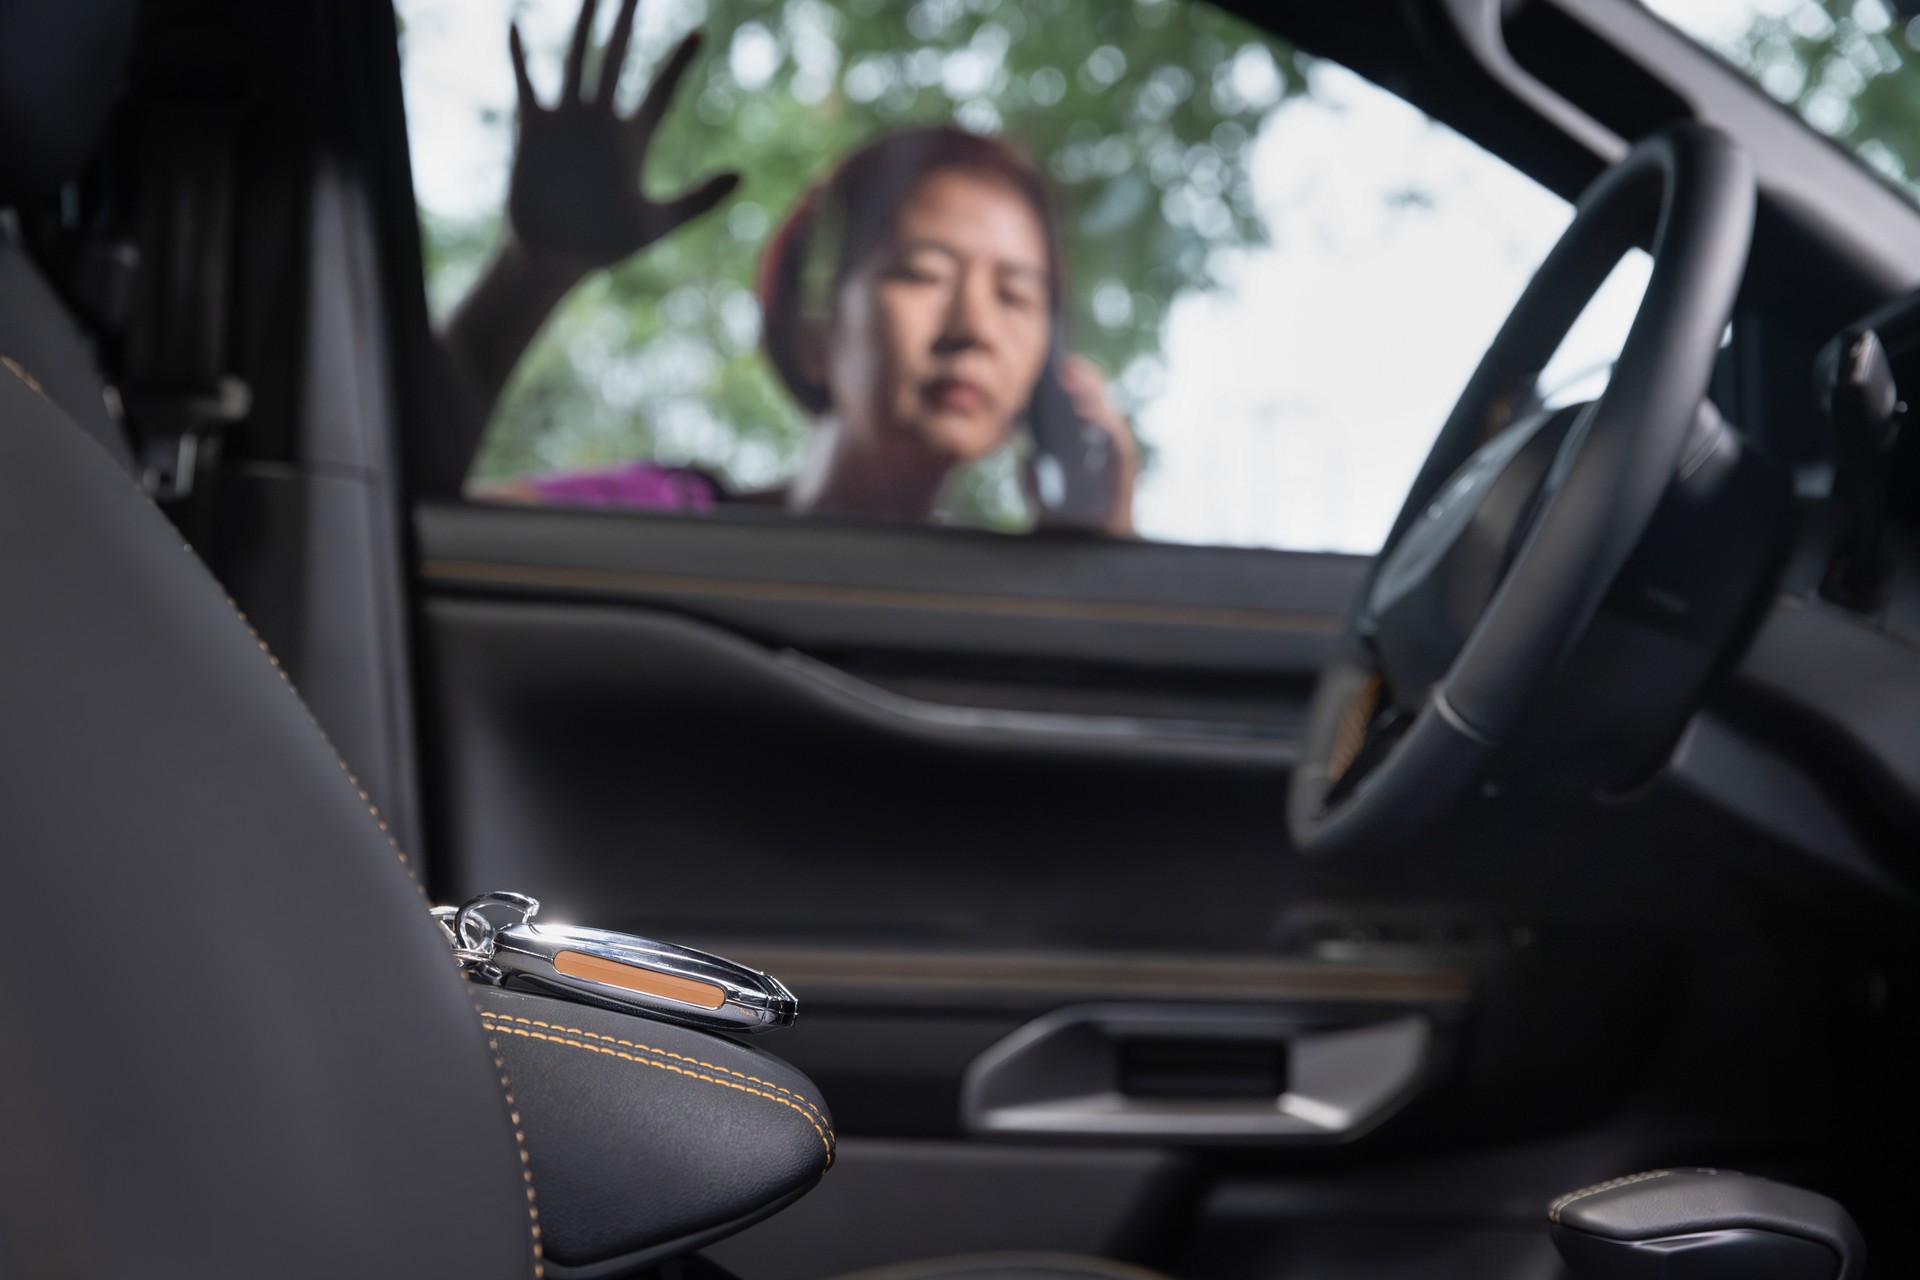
1450 640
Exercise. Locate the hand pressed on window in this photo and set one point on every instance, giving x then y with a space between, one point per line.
576 202
578 198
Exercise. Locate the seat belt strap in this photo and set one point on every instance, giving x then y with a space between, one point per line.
177 388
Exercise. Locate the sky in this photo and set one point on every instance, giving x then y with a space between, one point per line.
1714 22
1297 403
1300 403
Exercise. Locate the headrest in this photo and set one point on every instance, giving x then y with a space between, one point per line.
60 66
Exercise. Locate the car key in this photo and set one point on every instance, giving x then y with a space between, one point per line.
617 971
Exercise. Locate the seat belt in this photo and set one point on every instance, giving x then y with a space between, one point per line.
177 388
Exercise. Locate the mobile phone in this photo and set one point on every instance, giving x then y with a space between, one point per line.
1076 473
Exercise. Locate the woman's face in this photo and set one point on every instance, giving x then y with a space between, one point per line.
938 337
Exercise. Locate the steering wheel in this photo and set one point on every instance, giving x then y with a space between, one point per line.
1514 529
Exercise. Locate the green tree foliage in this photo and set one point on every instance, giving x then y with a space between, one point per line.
1847 66
1143 112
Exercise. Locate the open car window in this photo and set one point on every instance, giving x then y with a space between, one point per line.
1849 68
1281 273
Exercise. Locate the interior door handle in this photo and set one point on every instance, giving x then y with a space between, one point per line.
1065 1075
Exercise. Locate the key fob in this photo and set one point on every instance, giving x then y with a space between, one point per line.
618 971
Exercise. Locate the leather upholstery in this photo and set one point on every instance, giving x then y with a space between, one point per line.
650 1139
235 909
255 1054
60 67
235 1042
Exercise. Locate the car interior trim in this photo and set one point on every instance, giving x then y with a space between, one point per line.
1120 975
1054 1077
1478 24
1270 741
626 583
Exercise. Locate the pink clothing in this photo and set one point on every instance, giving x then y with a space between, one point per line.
648 486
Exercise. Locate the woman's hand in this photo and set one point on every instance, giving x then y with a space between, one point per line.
1086 387
577 200
576 203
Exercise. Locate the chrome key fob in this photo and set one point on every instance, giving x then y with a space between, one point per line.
497 942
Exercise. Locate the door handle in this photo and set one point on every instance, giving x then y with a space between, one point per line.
1330 1076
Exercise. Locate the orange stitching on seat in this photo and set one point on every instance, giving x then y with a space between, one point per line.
526 1161
406 863
667 1053
15 368
826 1137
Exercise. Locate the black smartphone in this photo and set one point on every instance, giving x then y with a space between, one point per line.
1076 474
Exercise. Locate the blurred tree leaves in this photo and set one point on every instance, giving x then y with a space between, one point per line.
1142 111
1845 66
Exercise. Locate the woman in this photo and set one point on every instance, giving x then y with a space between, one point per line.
910 301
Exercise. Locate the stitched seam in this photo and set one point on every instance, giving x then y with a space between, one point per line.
373 811
666 1053
826 1136
535 1243
520 1144
406 864
1555 1209
19 371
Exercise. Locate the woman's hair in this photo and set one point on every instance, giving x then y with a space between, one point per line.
852 212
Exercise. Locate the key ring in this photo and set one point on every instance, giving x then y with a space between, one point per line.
473 934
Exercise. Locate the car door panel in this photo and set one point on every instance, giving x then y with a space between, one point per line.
816 585
944 785
661 771
880 730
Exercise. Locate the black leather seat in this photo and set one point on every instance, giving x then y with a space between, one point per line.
245 1049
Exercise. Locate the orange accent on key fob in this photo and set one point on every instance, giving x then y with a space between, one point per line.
647 982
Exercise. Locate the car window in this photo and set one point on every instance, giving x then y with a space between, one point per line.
1275 276
1848 67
